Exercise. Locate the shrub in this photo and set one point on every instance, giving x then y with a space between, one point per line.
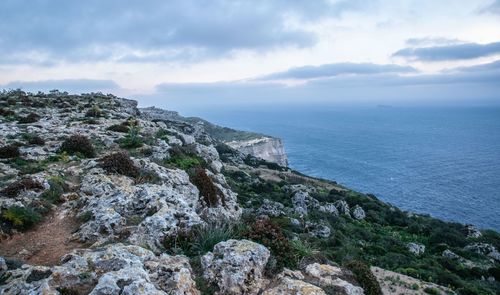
6 112
365 277
199 239
432 291
184 158
57 188
163 134
31 118
271 235
94 112
147 177
207 188
78 144
494 272
15 188
33 139
9 151
119 128
132 139
120 163
303 249
21 217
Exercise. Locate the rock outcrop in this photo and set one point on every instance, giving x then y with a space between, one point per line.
236 266
114 269
268 148
98 197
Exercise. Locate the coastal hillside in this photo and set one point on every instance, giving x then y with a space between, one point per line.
100 197
249 143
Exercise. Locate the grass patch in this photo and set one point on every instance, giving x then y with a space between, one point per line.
132 139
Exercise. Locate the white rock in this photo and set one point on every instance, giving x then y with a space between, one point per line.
358 213
416 248
236 266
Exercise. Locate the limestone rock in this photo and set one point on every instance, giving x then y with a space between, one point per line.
236 266
415 248
328 275
472 232
271 208
485 249
329 208
318 229
358 213
342 207
114 269
301 200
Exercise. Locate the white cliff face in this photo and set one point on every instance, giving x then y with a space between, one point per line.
268 148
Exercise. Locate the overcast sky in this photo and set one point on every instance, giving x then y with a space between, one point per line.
201 52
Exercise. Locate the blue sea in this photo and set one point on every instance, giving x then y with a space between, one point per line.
443 161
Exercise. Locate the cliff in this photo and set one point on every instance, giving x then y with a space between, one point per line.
258 145
98 197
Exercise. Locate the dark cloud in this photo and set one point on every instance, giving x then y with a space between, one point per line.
449 52
48 31
337 69
70 85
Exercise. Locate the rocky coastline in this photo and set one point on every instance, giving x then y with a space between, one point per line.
98 196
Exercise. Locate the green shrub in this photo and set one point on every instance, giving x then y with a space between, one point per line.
6 112
163 134
57 188
303 249
120 163
30 118
94 112
32 138
365 277
207 188
78 144
20 217
15 188
200 239
183 158
9 151
132 139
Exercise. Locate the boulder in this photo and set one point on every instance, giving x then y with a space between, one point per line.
271 208
291 282
328 275
318 229
472 232
342 207
484 249
329 208
236 266
114 269
416 248
358 213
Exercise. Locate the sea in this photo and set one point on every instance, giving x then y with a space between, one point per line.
442 161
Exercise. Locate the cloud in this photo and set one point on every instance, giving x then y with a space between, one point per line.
494 7
476 84
337 69
449 52
44 32
69 85
432 41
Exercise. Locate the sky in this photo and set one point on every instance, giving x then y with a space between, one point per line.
200 53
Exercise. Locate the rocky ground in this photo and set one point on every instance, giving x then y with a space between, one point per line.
97 197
